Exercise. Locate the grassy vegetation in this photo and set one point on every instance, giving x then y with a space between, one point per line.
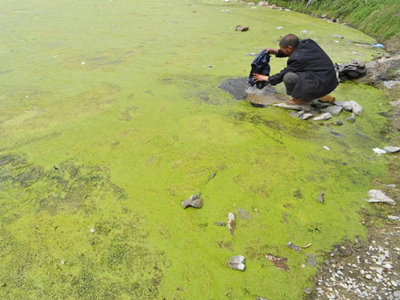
380 18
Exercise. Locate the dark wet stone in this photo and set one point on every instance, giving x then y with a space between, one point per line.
311 260
259 105
338 36
193 201
319 105
236 87
237 262
337 123
293 247
244 214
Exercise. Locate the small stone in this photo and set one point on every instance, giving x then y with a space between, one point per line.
352 118
321 198
307 291
337 123
231 223
83 63
237 262
322 117
394 218
338 36
368 276
92 230
306 116
391 149
379 151
293 247
193 201
326 148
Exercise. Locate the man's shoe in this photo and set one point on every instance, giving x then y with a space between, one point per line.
327 99
297 101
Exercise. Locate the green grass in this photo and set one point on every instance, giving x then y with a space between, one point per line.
379 18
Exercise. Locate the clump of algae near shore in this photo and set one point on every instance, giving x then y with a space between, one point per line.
110 119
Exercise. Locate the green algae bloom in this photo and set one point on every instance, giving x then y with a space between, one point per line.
111 117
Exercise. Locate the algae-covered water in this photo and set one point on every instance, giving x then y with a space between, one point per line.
111 116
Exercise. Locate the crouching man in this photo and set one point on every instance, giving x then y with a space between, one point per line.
310 73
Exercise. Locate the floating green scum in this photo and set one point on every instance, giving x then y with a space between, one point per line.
111 117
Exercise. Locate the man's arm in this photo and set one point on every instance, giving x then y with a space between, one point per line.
277 53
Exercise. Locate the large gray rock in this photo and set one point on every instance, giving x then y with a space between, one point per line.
333 110
381 70
379 196
322 117
391 149
346 105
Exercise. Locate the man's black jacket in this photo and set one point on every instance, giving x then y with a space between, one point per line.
315 69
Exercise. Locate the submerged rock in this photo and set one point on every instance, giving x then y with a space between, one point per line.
322 117
379 196
391 149
236 87
244 214
311 260
237 262
193 201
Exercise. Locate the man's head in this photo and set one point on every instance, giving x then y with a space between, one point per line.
289 43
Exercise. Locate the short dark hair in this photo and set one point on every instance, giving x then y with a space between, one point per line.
289 40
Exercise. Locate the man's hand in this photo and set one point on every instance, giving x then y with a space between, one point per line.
259 77
271 51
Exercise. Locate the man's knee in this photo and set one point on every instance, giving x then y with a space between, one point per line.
290 78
